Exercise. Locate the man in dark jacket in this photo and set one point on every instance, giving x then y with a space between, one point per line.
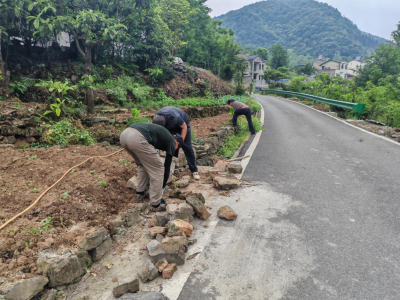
177 122
141 140
241 109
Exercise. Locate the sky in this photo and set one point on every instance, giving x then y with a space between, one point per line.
378 17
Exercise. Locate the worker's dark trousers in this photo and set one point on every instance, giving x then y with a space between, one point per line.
246 112
189 153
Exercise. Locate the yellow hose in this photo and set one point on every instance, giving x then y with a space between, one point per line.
48 189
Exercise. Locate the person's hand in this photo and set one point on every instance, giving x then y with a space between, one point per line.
178 138
176 145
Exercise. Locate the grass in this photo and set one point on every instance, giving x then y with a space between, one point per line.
233 142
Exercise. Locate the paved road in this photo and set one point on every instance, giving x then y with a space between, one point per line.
323 223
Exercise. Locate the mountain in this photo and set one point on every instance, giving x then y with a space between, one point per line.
307 27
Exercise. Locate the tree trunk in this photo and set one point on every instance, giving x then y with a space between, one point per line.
88 71
3 74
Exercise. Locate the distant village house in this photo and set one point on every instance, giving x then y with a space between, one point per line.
255 70
346 70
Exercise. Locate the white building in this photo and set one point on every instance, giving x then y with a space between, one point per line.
255 70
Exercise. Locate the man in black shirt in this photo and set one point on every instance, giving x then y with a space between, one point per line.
177 122
141 140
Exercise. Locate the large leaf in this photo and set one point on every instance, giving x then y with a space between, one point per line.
36 23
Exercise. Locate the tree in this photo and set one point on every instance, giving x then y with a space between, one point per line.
308 69
175 13
240 66
279 56
396 36
262 52
272 74
89 28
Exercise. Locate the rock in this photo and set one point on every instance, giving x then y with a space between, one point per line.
183 212
117 234
99 119
159 237
22 260
32 132
172 249
195 201
132 183
223 183
11 131
162 218
23 289
64 269
129 286
169 271
118 222
172 208
49 295
191 241
132 217
180 161
179 227
235 167
178 61
144 296
7 146
101 250
227 213
221 166
158 230
148 271
74 78
11 140
161 265
184 182
93 239
185 194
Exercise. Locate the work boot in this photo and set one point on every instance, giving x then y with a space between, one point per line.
196 176
160 207
140 197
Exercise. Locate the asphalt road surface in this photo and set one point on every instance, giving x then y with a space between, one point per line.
323 221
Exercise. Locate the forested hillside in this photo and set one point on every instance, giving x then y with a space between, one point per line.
307 27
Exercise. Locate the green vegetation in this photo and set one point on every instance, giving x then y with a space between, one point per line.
102 183
45 225
377 85
233 142
65 133
309 28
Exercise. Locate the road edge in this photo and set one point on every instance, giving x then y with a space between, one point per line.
340 120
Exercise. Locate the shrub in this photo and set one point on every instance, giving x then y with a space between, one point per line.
64 133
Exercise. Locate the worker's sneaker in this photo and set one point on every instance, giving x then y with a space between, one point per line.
160 207
196 176
140 197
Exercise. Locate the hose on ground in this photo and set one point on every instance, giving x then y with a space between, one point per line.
48 189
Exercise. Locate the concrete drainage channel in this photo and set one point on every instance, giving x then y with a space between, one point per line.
153 245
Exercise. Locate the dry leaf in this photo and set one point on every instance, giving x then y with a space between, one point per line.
193 256
109 266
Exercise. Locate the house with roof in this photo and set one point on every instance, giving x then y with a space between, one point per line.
334 68
255 70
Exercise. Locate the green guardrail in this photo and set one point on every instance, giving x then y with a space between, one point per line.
358 108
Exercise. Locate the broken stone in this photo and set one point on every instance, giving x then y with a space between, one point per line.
191 241
184 182
185 194
172 208
132 183
93 239
101 250
169 271
157 230
49 295
129 286
64 269
118 222
196 202
183 212
132 217
99 119
118 234
223 183
23 289
7 146
176 201
162 218
159 237
32 132
144 296
172 249
148 271
180 227
235 167
227 213
221 166
180 161
161 265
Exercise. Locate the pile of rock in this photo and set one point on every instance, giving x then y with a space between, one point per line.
180 68
16 125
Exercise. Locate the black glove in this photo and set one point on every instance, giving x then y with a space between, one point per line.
179 139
